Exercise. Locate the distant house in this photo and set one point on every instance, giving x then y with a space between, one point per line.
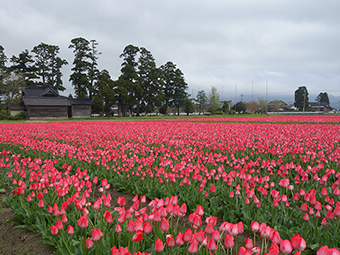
80 108
319 107
45 102
290 107
15 109
276 105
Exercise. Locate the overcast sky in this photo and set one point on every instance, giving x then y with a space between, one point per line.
232 45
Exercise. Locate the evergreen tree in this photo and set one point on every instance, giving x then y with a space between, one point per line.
202 101
240 107
81 66
93 70
129 79
24 64
150 82
323 98
174 86
3 69
189 106
225 107
104 97
301 98
48 65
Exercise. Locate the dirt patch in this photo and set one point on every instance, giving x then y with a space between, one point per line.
24 242
18 241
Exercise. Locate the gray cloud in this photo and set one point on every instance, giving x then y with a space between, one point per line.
216 43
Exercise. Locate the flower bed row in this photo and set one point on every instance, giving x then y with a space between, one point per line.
65 210
283 175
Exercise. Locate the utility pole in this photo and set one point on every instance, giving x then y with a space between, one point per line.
304 100
252 91
235 96
222 93
266 89
241 97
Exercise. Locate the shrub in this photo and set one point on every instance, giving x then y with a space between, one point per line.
3 114
22 115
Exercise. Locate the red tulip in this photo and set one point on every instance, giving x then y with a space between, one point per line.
255 226
138 236
199 236
83 222
248 243
216 235
209 228
147 228
41 203
95 234
229 241
40 195
188 236
275 203
298 243
211 245
64 219
59 225
54 230
118 228
193 246
286 246
324 250
329 215
183 209
88 243
70 230
159 245
121 201
199 210
306 217
164 225
131 226
170 241
304 207
179 239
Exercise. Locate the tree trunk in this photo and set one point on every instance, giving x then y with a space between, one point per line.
166 106
119 109
138 108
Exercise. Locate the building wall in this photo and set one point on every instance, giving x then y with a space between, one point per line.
81 111
14 112
39 112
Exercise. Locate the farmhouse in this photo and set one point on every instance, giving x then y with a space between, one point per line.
320 107
45 102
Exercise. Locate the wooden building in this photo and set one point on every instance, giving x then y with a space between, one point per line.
15 109
319 107
80 108
45 102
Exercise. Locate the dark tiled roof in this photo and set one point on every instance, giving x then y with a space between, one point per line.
16 107
74 101
46 101
35 91
317 104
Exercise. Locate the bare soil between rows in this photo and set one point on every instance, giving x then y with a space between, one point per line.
24 242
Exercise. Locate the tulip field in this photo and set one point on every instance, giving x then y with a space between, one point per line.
201 186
